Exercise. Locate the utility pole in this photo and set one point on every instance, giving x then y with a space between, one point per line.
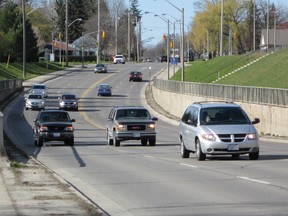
221 28
98 33
24 39
66 34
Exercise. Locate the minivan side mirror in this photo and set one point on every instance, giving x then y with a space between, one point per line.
256 121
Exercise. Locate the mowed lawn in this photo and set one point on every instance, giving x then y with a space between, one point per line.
270 71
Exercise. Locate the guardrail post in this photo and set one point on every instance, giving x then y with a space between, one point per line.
2 150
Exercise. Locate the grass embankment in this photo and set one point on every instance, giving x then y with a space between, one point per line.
15 70
270 71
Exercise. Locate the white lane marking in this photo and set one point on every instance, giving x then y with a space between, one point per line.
189 165
254 180
148 156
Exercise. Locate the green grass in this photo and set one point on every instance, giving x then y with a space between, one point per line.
15 70
270 71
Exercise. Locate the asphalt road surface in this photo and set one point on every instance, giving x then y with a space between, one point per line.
143 180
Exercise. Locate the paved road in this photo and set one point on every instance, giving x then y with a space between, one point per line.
136 180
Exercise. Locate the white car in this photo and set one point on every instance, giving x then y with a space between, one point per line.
39 89
34 101
119 59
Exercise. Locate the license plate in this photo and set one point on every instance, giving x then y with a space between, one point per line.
136 134
56 134
233 147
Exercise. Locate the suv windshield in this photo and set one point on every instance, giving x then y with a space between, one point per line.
132 113
223 115
54 116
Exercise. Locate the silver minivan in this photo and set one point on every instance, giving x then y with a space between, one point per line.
218 128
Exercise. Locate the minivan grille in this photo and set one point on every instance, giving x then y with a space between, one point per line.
232 137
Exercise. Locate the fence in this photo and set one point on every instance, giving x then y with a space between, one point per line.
257 95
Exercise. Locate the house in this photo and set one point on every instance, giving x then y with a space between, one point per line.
277 37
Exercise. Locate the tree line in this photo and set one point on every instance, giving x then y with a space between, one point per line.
238 24
46 23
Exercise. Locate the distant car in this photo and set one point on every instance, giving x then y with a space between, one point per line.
130 123
163 58
68 101
217 128
100 68
119 59
39 89
135 76
149 59
53 125
104 90
34 102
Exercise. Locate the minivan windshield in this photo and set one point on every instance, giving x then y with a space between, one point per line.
223 115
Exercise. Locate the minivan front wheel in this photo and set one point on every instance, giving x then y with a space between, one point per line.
254 155
199 154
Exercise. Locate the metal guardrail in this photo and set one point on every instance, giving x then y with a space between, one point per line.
267 96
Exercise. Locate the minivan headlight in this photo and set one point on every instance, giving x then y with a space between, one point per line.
252 136
209 137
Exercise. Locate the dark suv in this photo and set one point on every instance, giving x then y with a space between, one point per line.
130 123
53 125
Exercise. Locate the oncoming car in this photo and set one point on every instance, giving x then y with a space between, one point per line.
130 123
39 89
100 68
34 102
68 101
119 59
53 125
217 128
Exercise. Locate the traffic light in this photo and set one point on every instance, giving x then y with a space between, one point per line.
103 34
164 37
59 36
96 44
171 44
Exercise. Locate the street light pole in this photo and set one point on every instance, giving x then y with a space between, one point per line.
167 41
24 39
128 44
98 34
221 28
66 33
182 41
254 24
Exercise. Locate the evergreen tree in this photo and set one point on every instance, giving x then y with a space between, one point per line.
76 10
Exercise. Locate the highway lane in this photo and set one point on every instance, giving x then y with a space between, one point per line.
140 180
